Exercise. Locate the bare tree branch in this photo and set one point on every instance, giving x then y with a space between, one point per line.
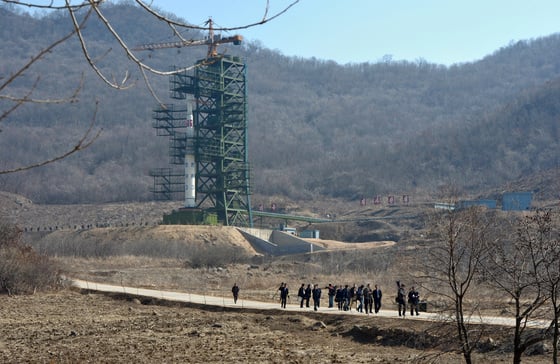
19 101
34 59
264 20
84 142
49 6
85 51
70 99
86 139
93 6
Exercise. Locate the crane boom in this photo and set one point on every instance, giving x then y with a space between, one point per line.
212 42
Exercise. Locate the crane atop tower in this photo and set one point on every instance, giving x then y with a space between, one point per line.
212 41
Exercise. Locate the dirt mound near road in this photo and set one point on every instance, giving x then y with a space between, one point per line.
165 235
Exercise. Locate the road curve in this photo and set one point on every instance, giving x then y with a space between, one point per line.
242 303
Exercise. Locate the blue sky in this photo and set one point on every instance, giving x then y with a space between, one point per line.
355 31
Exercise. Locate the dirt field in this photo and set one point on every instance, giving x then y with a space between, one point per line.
73 327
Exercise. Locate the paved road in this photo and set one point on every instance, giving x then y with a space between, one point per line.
241 303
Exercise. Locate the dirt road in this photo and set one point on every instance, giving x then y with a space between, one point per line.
259 305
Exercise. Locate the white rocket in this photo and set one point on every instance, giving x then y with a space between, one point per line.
190 163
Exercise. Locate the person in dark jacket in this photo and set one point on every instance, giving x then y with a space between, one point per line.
401 299
346 298
301 295
316 293
284 295
331 293
339 298
352 296
377 294
307 295
413 300
235 291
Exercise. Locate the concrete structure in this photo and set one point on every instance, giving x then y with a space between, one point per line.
275 242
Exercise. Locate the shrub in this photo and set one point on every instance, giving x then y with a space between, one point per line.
210 257
23 270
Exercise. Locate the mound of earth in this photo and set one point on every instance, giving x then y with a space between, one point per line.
192 234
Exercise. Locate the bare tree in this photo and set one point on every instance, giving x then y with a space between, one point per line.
515 268
80 13
540 229
455 262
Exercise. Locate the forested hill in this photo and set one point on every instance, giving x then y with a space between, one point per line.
317 128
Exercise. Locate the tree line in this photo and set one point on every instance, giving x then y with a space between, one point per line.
316 128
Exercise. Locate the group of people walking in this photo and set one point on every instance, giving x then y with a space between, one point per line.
365 298
306 293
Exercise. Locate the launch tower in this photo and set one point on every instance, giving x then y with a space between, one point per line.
208 138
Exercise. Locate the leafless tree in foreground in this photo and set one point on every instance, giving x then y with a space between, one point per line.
79 13
454 266
515 268
540 230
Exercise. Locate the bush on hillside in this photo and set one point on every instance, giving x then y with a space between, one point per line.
212 257
22 269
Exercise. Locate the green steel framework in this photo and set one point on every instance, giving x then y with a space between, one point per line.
220 122
168 120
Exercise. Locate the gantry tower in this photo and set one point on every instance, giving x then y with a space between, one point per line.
215 92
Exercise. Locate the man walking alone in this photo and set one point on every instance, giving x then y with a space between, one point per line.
235 291
377 294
